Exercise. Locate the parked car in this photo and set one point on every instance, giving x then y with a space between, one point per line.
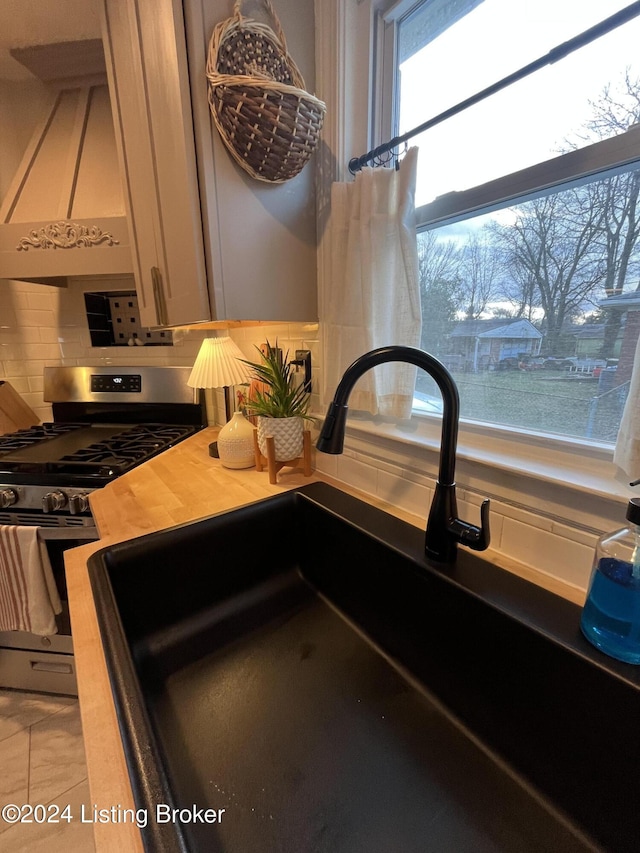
575 366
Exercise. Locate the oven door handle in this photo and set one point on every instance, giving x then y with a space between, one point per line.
89 533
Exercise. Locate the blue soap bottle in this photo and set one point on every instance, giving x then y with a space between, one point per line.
611 614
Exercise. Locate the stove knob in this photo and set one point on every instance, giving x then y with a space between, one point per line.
78 503
53 501
8 497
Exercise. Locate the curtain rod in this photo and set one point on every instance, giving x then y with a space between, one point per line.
557 53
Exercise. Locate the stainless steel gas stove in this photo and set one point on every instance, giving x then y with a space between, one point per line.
106 421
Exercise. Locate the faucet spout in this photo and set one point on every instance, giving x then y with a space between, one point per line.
444 528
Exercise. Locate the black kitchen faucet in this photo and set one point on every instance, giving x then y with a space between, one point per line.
444 528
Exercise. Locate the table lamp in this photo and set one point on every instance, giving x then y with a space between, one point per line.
219 365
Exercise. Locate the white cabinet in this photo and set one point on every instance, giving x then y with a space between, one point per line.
150 98
261 238
209 242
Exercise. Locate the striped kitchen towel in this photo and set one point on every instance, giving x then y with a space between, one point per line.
29 599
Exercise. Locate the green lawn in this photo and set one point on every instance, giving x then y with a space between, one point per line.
540 401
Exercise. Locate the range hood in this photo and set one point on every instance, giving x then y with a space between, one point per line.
64 213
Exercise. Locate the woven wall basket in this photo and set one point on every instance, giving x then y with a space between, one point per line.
267 120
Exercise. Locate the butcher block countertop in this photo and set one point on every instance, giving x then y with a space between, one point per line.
178 486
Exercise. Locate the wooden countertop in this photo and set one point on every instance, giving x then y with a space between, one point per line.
178 486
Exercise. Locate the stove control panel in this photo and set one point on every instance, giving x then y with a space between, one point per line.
54 501
78 503
8 497
45 499
114 382
119 383
57 500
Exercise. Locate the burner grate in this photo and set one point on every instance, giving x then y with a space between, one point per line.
115 455
33 435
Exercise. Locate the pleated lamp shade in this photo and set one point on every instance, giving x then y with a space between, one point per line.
217 365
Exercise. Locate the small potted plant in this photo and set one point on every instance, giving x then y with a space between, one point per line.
279 403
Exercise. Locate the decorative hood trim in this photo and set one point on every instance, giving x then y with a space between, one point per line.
64 213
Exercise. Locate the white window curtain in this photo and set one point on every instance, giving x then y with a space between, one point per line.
371 297
627 453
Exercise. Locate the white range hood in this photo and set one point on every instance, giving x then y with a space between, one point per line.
64 213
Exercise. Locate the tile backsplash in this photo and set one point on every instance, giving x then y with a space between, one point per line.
41 325
555 554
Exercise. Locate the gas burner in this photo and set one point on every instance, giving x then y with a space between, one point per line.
120 452
33 435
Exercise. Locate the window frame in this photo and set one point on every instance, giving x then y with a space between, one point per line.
601 159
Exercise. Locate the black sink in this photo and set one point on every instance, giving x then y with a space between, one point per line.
297 663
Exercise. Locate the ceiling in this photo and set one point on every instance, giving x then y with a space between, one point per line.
24 23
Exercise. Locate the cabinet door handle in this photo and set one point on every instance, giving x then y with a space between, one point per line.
158 297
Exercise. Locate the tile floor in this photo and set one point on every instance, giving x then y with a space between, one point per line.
42 762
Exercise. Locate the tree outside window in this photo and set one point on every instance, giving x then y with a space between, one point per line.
516 300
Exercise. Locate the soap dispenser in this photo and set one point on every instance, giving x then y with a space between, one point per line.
611 614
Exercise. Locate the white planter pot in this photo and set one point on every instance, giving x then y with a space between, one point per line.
287 434
235 443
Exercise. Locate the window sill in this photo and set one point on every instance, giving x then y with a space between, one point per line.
558 479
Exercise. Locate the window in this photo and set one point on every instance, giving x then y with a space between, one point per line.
529 211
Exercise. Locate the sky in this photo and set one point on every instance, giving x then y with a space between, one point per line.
529 121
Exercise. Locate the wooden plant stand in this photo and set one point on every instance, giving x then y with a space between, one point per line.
273 466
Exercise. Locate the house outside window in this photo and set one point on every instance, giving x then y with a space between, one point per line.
528 207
